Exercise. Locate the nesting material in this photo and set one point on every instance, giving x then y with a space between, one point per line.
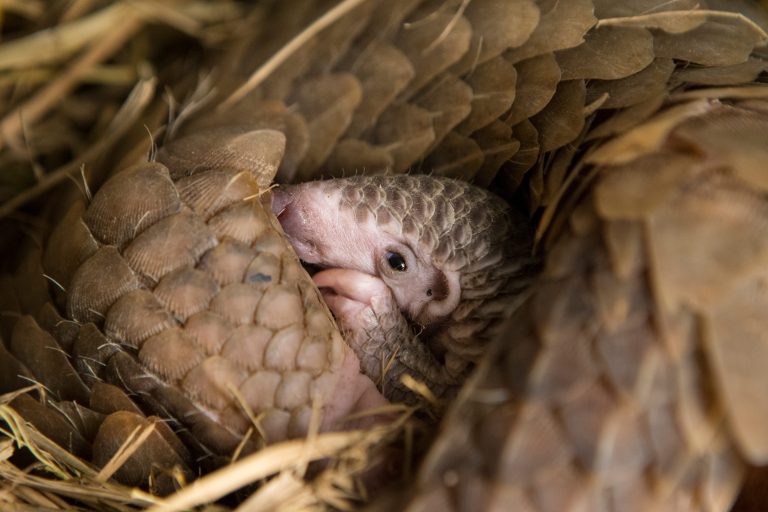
167 289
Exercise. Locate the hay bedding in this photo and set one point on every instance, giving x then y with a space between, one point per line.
89 86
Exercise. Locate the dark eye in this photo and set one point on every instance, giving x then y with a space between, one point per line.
396 262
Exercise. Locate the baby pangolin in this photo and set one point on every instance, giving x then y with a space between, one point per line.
418 270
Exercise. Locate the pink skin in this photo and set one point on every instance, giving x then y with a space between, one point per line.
354 393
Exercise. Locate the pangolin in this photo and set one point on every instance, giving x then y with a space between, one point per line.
629 378
419 270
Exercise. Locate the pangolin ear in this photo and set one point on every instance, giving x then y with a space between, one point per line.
448 300
257 151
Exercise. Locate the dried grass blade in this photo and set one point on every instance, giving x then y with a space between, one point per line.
31 9
58 43
682 21
20 432
116 496
268 461
289 49
37 106
123 120
132 443
284 492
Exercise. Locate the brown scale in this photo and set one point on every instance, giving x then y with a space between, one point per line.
450 100
75 243
208 192
383 71
135 316
248 341
639 361
123 207
237 303
176 241
227 262
186 291
170 354
493 88
98 283
208 330
240 222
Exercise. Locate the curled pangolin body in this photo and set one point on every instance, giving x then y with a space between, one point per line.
646 240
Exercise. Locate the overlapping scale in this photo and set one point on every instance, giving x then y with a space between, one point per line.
69 244
172 243
130 202
638 364
136 316
170 354
98 283
512 95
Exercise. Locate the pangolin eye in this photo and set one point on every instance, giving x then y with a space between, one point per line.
396 261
